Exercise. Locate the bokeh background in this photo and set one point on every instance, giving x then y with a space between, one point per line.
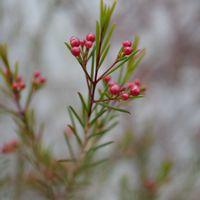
169 114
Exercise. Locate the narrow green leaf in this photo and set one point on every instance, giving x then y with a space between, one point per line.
136 97
113 26
104 55
92 52
84 108
113 7
4 55
139 60
110 116
100 146
73 127
69 146
83 102
109 15
68 46
92 66
96 163
136 42
97 37
101 133
132 66
120 76
104 17
75 133
106 21
123 62
102 95
77 116
16 69
114 108
97 116
101 12
164 171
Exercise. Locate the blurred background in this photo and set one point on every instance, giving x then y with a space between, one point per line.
164 129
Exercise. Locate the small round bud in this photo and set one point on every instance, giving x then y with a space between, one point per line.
76 51
75 42
114 89
90 37
21 85
107 79
73 38
125 96
82 42
127 50
137 82
88 44
36 74
42 80
15 86
127 43
130 85
135 91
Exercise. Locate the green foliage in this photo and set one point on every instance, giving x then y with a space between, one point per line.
99 110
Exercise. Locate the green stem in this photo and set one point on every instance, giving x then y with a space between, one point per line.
104 74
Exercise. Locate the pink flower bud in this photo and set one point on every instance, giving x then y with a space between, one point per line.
127 50
135 90
82 42
115 89
15 86
36 74
137 82
125 96
76 51
88 44
42 80
130 85
107 79
21 85
127 43
90 37
73 38
75 42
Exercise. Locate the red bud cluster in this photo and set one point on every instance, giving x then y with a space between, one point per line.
127 47
132 88
9 147
38 79
18 84
76 43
